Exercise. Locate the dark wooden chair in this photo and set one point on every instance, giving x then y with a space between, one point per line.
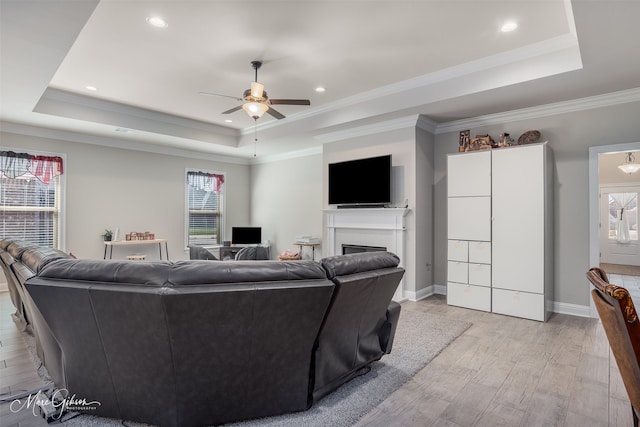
620 321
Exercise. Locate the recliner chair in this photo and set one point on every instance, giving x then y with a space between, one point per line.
361 323
252 253
198 252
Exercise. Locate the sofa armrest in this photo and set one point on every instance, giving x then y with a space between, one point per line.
388 330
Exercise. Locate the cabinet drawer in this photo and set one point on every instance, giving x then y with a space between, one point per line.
480 252
519 304
458 250
480 274
469 296
458 272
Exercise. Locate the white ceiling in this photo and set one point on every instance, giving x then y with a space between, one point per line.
379 60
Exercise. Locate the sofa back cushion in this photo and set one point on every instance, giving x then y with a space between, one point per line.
108 271
207 273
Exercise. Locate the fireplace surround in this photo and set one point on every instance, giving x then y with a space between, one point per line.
378 227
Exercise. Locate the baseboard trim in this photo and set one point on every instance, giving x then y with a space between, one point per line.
440 289
571 309
421 294
555 306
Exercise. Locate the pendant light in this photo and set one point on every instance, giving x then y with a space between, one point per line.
629 165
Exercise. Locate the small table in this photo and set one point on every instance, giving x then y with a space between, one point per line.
159 242
313 248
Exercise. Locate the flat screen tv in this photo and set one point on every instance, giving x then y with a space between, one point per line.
246 235
364 182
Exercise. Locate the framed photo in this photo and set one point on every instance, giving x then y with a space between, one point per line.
464 140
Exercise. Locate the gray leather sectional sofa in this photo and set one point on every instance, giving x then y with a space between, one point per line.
192 343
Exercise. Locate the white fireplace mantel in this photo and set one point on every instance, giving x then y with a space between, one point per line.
383 227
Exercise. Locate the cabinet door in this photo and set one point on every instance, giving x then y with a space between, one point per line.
469 218
518 196
469 174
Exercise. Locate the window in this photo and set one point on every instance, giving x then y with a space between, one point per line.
623 217
30 198
204 206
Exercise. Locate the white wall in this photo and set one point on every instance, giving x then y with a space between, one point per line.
286 201
135 191
401 144
570 135
424 209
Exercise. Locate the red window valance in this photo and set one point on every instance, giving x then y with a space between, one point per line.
205 181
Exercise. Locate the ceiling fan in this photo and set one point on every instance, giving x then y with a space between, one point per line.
256 100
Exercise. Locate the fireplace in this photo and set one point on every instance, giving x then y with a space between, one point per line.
352 249
381 229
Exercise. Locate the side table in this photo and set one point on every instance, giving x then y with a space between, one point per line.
108 246
313 248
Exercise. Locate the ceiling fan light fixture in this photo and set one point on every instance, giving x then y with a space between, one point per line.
257 90
629 165
255 109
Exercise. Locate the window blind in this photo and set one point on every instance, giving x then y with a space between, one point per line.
204 208
29 209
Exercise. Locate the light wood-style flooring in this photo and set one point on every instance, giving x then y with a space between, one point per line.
505 371
502 371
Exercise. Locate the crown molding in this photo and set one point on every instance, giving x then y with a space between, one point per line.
128 144
564 107
425 123
374 128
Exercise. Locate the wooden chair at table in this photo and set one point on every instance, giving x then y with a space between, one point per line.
620 321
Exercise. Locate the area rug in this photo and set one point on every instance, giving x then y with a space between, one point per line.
626 270
419 338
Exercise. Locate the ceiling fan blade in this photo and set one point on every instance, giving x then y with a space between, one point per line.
290 101
278 115
218 94
233 110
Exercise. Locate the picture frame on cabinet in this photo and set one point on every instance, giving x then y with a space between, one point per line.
464 141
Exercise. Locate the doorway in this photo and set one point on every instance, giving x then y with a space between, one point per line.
600 218
594 201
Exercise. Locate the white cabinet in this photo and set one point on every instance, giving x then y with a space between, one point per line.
507 230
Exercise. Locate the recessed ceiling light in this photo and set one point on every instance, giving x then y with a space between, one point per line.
509 26
91 88
157 22
228 121
320 89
